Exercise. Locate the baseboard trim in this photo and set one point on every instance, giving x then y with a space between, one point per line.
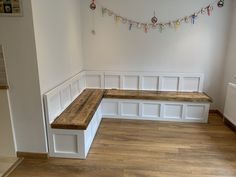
216 111
13 167
29 155
229 124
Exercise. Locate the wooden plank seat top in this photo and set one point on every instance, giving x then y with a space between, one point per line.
79 114
195 97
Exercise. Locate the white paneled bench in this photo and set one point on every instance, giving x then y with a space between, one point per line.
156 105
74 109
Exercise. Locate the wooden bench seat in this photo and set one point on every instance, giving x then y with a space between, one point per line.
195 97
79 114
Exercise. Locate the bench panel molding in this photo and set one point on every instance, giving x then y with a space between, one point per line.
59 98
155 110
73 143
152 110
185 82
55 102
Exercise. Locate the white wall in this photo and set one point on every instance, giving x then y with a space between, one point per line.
7 141
17 38
230 62
193 48
58 40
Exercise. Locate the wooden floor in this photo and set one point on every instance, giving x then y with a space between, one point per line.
148 149
6 163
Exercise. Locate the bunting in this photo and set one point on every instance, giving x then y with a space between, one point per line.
154 22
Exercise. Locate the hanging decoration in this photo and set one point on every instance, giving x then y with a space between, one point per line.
154 19
220 3
209 9
155 24
93 5
194 16
177 24
130 26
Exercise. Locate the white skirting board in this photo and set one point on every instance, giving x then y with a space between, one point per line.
155 110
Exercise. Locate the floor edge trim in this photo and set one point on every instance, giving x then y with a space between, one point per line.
13 167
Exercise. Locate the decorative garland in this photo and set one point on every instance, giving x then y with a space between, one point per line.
154 23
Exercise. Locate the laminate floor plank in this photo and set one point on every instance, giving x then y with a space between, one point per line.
131 148
6 163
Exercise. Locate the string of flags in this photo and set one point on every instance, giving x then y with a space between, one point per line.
154 21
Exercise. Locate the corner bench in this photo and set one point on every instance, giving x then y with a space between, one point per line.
79 114
82 117
73 112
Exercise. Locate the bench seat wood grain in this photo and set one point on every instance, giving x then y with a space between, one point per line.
195 97
79 114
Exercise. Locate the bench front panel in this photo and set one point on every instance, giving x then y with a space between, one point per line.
155 110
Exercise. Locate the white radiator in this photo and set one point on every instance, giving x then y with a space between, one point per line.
230 104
